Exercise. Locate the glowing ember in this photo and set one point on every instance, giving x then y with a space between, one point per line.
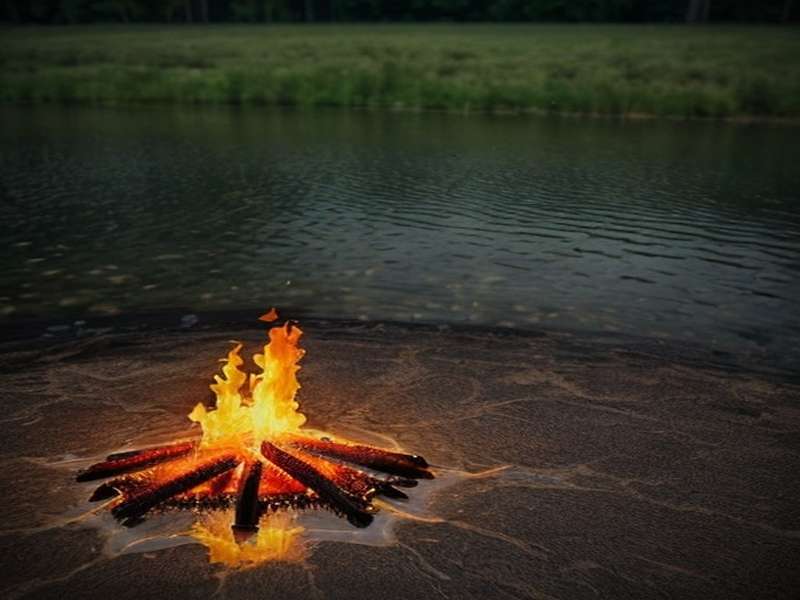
253 454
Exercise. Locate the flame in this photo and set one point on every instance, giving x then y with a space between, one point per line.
279 538
269 316
243 416
267 408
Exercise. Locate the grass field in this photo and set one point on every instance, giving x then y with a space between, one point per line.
588 69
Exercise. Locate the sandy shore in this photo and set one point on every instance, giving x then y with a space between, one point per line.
630 471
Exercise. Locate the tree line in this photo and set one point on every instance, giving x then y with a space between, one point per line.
207 11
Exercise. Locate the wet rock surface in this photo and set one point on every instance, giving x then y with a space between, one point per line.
628 470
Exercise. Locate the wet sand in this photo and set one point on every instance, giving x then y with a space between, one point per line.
630 469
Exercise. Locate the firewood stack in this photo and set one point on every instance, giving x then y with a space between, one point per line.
294 471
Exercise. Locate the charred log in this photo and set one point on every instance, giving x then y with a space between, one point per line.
403 482
390 491
125 486
328 491
138 504
405 465
104 492
367 487
125 454
135 462
248 510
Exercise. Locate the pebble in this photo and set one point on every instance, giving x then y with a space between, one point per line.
189 321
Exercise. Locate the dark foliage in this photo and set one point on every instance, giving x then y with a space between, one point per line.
88 11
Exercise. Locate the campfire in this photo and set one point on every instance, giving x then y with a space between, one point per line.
255 455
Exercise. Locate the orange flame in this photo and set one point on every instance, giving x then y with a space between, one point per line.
265 410
269 316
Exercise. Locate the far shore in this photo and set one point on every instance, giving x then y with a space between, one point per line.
731 73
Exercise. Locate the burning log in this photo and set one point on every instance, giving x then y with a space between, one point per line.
230 472
221 484
104 492
403 482
313 479
124 454
354 482
138 504
276 483
248 509
367 487
126 462
388 490
126 486
405 465
286 501
198 503
132 453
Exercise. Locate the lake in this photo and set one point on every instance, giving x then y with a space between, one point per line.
686 231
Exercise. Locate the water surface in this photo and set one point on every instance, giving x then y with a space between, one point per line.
688 231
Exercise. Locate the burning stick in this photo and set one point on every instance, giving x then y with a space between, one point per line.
104 492
126 485
132 453
220 484
125 462
137 505
366 487
311 478
406 465
354 482
248 509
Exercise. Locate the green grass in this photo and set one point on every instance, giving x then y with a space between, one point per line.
588 69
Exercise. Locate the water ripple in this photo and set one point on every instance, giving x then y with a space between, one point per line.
597 225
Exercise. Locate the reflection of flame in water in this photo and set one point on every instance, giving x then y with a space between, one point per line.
279 539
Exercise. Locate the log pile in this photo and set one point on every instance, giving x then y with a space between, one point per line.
291 472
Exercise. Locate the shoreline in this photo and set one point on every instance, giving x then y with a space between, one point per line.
636 117
33 335
668 477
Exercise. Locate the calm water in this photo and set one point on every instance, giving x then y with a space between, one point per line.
681 230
